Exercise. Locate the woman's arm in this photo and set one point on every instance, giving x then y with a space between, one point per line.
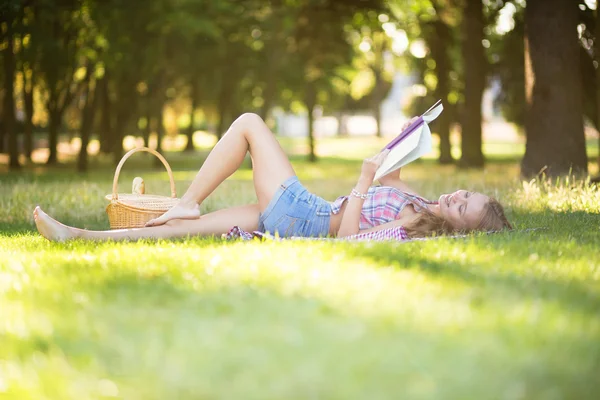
393 176
400 185
350 224
388 225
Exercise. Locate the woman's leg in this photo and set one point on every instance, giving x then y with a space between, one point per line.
271 166
215 223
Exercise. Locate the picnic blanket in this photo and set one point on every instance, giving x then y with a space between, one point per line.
397 234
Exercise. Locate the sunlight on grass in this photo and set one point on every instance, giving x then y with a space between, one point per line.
508 315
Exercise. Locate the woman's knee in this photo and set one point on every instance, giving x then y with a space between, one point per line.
249 120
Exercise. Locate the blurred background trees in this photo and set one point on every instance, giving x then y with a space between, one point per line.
101 70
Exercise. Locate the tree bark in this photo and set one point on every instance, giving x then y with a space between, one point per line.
127 105
106 129
377 112
268 96
377 96
475 66
160 132
2 127
147 130
87 120
439 45
122 118
223 107
9 100
54 118
271 79
310 101
54 122
190 131
597 52
554 114
28 102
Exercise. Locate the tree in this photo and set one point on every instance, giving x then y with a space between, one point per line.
553 123
373 60
597 59
90 103
29 61
474 78
57 35
440 41
10 15
321 46
508 49
436 23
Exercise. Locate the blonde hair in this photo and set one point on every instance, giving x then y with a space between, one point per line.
430 224
493 218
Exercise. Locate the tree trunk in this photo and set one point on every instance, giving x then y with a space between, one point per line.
105 134
554 114
271 81
28 102
377 112
122 118
310 101
126 106
2 128
87 120
223 107
147 130
273 50
597 52
342 120
160 132
190 131
475 66
9 100
53 127
268 96
376 98
231 75
440 44
54 122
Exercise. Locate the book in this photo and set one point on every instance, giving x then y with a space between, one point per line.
412 143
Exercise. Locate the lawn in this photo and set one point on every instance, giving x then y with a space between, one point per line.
503 316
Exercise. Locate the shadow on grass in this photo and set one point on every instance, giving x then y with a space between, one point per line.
135 327
504 286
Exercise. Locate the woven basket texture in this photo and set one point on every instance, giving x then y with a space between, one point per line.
134 210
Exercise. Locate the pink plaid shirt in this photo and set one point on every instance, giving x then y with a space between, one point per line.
383 205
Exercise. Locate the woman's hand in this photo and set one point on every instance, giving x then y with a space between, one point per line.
407 124
394 176
370 166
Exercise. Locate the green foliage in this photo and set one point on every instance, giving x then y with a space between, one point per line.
505 315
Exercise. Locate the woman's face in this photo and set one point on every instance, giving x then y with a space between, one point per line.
463 209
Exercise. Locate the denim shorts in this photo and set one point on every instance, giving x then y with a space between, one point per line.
294 211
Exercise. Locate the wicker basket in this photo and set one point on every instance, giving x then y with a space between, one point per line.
134 210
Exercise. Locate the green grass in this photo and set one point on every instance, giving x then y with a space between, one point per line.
504 316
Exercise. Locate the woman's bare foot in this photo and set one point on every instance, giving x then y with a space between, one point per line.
180 211
50 228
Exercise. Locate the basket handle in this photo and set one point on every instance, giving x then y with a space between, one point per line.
115 195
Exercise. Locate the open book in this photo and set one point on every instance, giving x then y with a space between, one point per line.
411 143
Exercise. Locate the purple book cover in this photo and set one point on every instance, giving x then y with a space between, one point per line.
411 128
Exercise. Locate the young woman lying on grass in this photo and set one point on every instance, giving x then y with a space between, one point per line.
286 208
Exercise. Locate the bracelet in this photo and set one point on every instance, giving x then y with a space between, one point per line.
360 195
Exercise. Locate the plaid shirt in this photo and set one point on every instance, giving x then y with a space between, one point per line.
383 205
